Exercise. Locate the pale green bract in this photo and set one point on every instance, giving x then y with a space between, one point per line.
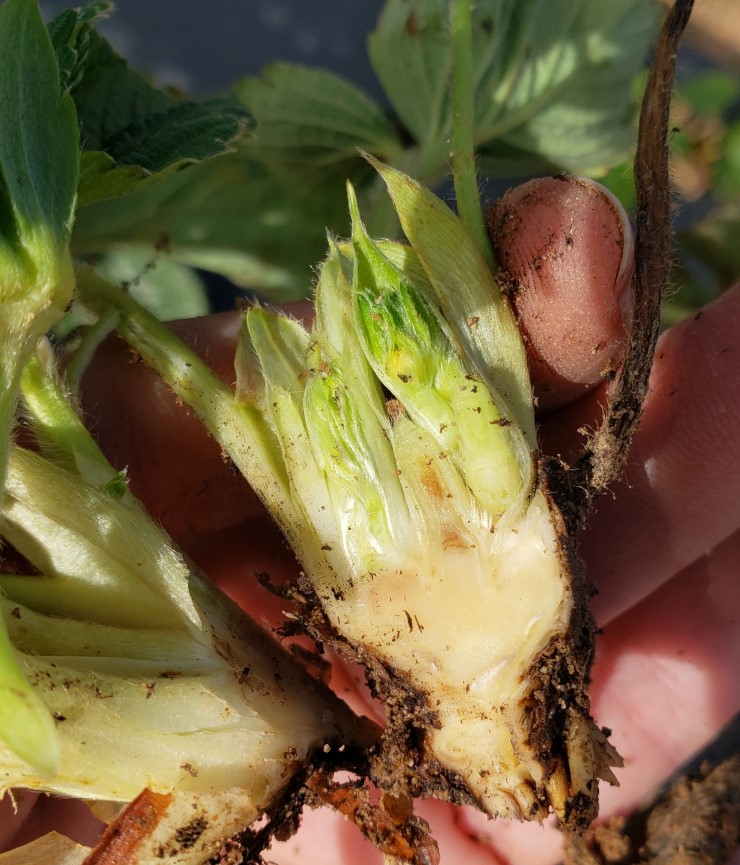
405 432
134 653
325 394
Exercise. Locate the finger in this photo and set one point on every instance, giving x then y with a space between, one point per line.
678 498
41 814
665 677
325 838
14 811
565 249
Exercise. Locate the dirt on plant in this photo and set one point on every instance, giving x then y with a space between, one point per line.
696 823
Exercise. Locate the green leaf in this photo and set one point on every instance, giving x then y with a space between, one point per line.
259 215
152 148
229 215
563 91
310 124
71 39
182 131
166 288
38 133
553 78
133 133
109 96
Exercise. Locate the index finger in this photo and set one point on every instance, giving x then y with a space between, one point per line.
678 497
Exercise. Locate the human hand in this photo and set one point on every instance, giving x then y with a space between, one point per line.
661 549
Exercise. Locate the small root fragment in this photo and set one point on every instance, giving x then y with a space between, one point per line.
390 824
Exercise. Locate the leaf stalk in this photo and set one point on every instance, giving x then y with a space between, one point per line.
463 117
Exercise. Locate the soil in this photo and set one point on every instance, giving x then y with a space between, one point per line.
696 823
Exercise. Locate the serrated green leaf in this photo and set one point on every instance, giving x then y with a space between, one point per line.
133 133
310 124
70 37
109 96
258 216
180 132
160 144
553 78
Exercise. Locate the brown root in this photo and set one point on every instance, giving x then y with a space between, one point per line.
604 456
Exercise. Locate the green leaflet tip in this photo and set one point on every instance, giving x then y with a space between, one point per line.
354 208
376 163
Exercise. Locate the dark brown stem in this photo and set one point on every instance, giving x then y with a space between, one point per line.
604 456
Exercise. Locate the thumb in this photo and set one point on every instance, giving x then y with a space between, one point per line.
565 249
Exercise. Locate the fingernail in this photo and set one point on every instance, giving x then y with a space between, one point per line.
626 271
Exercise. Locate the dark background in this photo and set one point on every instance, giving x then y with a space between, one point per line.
203 46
